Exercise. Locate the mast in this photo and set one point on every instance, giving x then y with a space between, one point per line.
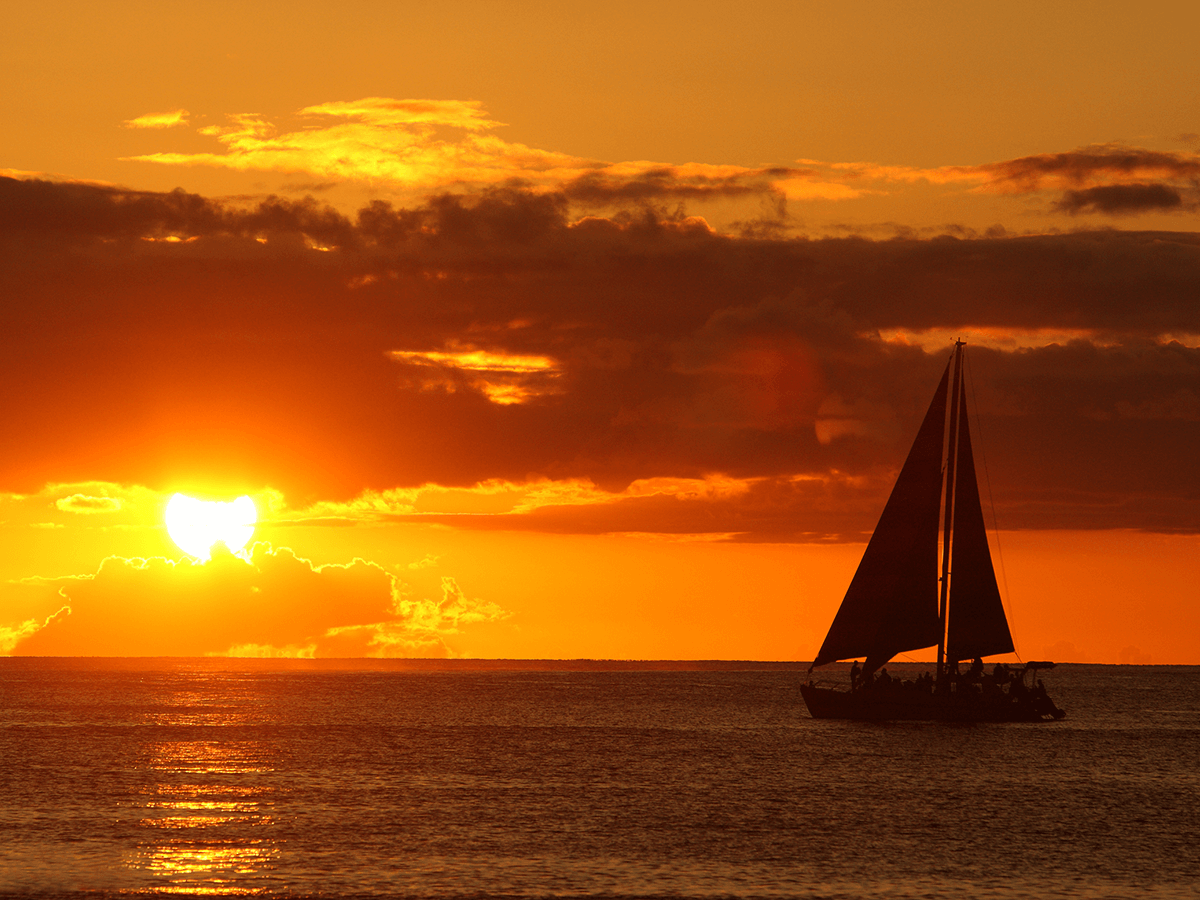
951 453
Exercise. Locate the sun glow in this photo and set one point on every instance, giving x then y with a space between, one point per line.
196 525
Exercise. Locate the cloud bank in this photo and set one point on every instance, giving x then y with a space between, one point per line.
272 604
499 337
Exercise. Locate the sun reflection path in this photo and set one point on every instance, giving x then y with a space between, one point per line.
208 810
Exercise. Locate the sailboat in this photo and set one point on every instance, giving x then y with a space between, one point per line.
898 602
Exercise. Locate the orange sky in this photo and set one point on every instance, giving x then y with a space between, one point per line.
541 332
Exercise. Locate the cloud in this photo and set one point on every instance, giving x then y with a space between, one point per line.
836 507
641 346
505 379
82 503
1121 199
275 604
447 614
159 120
88 505
1090 166
1133 656
443 144
414 147
429 143
502 502
12 635
806 189
1084 167
468 115
1104 178
647 182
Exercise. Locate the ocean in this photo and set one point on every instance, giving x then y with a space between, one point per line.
472 779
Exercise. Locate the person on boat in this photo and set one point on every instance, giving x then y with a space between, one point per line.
952 676
1018 688
1043 705
855 672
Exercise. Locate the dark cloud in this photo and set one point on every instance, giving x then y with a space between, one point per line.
257 347
76 211
310 187
671 183
1086 166
1121 199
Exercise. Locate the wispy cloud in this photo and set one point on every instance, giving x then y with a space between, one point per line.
430 143
83 503
159 120
1089 167
504 378
1109 179
1084 167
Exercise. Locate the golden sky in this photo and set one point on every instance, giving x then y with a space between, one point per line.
535 331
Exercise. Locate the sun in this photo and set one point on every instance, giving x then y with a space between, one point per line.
195 525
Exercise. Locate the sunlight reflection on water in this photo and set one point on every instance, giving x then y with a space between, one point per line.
205 828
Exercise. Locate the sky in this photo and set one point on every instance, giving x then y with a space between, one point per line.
536 331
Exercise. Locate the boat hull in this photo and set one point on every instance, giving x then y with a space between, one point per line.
922 706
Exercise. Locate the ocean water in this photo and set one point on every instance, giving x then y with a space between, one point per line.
560 780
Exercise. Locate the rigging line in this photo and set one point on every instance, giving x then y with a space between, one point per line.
991 501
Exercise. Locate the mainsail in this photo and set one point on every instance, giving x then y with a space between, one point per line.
891 605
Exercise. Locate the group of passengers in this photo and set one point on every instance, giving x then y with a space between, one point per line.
882 681
1001 680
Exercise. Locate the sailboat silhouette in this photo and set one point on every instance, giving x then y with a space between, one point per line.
894 604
